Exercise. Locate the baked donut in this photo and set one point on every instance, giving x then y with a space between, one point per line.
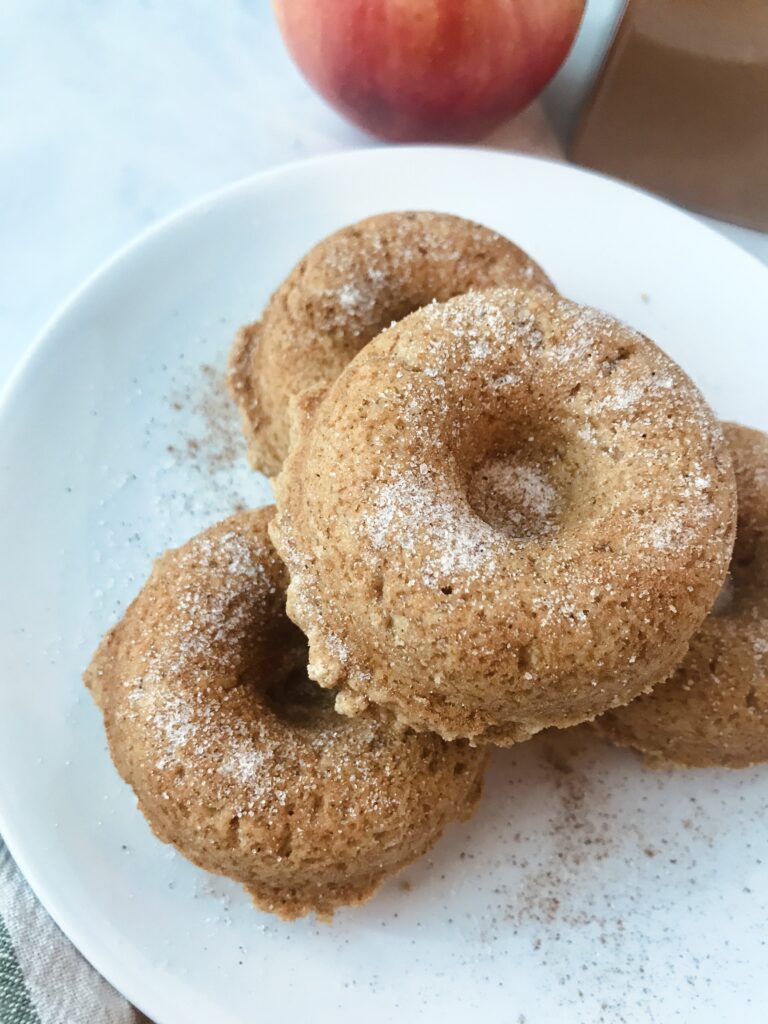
714 709
343 293
243 764
509 512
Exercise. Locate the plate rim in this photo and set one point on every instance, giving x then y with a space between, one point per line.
216 195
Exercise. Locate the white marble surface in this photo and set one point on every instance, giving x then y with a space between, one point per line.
114 113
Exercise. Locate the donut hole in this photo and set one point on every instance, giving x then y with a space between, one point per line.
525 469
298 701
370 318
516 493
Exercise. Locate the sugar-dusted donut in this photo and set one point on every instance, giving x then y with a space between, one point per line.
714 709
342 293
241 762
509 512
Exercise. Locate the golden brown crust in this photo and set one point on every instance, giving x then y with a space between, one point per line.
714 709
343 293
509 512
241 762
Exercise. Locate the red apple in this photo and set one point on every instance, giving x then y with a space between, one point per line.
428 69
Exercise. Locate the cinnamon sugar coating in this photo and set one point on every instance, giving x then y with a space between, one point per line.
241 762
509 512
714 709
343 293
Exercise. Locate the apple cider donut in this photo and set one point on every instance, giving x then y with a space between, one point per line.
343 293
509 512
714 709
241 762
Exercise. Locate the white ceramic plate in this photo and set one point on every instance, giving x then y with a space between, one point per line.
586 888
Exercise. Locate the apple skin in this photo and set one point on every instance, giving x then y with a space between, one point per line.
428 70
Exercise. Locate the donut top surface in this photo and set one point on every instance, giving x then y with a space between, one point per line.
714 709
242 762
211 683
346 290
358 280
521 496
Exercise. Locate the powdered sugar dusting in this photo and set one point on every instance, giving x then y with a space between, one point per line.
207 624
251 739
642 390
401 261
516 498
350 297
505 443
409 513
196 647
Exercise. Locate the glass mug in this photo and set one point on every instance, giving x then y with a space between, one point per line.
680 105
